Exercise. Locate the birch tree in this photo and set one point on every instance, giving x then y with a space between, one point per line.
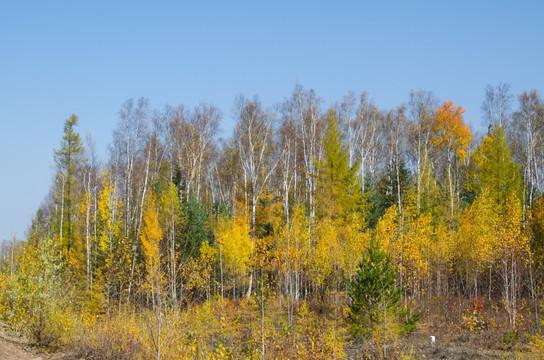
529 127
368 139
451 137
254 138
128 157
496 107
421 111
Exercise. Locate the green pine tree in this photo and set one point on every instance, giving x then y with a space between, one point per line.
373 291
376 308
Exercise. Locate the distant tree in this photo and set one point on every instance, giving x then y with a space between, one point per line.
421 111
253 136
193 134
394 128
497 105
305 109
390 185
368 136
528 123
293 245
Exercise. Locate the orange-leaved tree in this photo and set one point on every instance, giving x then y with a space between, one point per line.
451 137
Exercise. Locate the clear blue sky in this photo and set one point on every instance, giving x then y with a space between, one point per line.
88 57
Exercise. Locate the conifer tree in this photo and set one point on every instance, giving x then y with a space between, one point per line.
497 172
338 190
67 159
375 297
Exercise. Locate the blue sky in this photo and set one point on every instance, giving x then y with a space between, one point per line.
88 57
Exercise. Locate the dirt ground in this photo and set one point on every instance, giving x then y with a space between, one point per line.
460 347
15 348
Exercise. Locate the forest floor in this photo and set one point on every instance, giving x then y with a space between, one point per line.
456 347
13 347
460 347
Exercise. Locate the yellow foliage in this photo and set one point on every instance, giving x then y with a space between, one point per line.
151 236
355 242
293 241
536 346
235 242
170 208
387 230
476 240
513 242
326 254
409 238
109 211
415 251
197 271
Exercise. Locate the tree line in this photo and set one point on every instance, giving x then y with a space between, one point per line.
290 202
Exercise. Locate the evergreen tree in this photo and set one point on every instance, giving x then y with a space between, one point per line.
338 189
373 291
196 229
68 161
376 305
387 191
496 170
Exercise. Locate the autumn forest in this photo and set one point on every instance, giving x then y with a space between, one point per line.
310 232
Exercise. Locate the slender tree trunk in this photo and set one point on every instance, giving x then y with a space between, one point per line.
61 207
450 184
136 241
221 271
533 293
87 232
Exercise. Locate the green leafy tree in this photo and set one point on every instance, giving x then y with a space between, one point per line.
39 295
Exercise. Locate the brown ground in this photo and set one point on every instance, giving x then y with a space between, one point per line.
461 348
16 348
13 347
